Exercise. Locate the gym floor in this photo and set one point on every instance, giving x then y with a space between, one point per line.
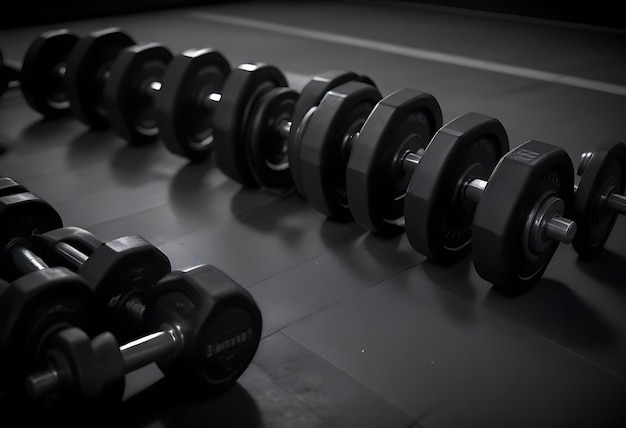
360 330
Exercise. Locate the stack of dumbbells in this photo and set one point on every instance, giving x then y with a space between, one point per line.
78 314
389 163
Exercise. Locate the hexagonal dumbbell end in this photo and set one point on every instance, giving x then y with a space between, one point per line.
217 323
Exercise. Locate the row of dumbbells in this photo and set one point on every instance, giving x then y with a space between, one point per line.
387 162
77 314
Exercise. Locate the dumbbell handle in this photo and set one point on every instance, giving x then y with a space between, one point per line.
557 227
208 102
616 202
72 254
166 343
25 260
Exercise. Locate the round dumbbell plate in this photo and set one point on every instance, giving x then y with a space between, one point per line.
267 142
42 76
244 87
438 218
327 142
129 93
506 250
603 173
376 180
309 98
88 66
186 104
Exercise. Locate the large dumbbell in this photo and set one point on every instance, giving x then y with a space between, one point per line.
40 300
383 156
56 79
334 131
258 141
513 217
205 330
119 271
599 196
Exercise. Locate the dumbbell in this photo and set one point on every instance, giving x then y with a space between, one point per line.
598 196
205 329
510 210
36 300
119 271
258 139
56 79
152 92
333 133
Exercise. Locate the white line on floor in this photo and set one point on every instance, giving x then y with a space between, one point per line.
423 54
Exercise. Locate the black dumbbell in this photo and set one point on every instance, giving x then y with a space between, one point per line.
151 92
87 71
39 300
258 139
119 271
599 196
55 79
510 209
205 330
383 156
333 133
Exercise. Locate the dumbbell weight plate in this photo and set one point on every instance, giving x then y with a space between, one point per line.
376 180
128 99
222 326
438 218
244 86
87 68
184 120
503 252
35 306
8 186
309 98
604 173
267 148
95 370
20 215
119 270
42 79
327 142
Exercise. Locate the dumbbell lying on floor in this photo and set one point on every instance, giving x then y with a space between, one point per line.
63 72
119 271
204 332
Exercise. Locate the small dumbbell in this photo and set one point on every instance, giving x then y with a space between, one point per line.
258 139
205 328
599 196
119 271
40 299
510 210
55 78
334 131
